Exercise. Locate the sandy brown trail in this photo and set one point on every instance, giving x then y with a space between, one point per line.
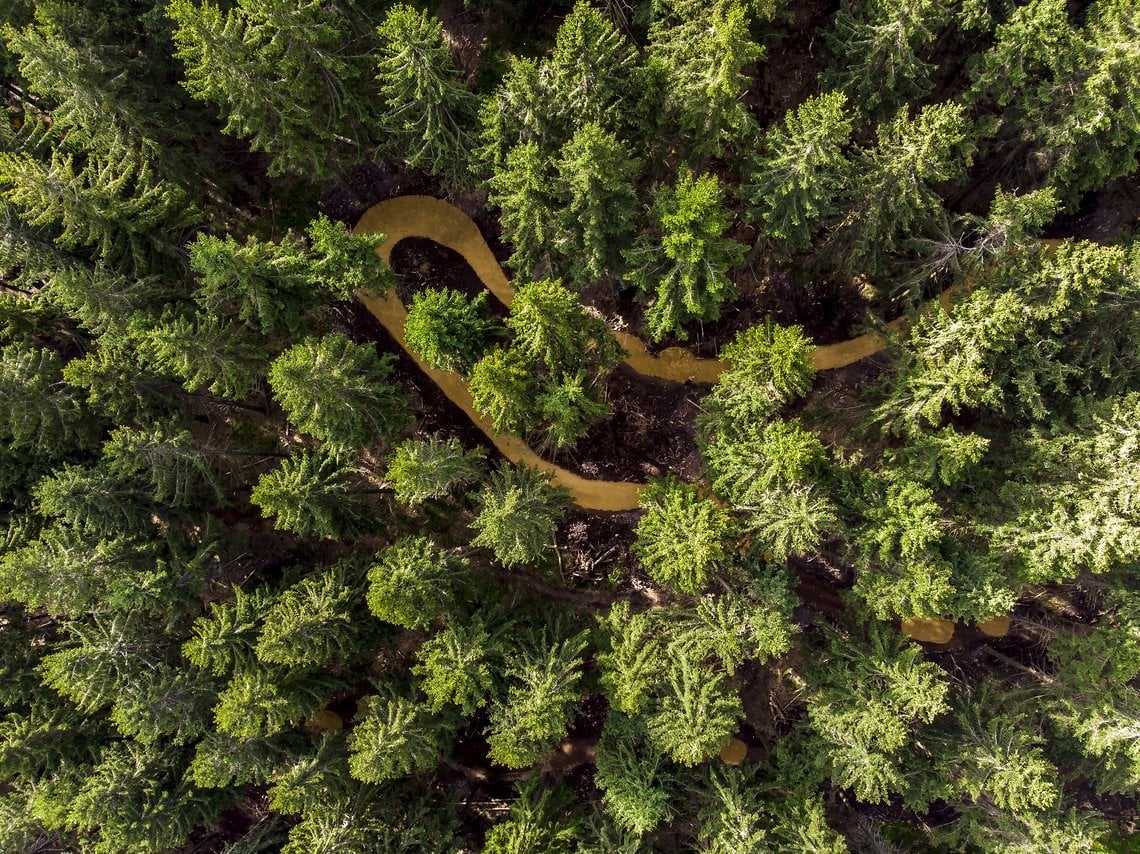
443 222
435 219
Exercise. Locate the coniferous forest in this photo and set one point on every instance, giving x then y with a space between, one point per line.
569 427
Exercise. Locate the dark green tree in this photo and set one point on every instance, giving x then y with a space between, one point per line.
426 114
339 392
519 512
682 270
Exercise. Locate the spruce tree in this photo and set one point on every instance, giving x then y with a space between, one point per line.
683 271
426 114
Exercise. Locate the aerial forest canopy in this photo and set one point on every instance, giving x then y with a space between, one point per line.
551 427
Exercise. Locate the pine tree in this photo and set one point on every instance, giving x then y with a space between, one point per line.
733 818
523 189
552 327
635 659
223 640
69 573
637 782
265 701
432 468
267 285
164 455
703 57
536 822
205 352
505 390
769 366
868 698
310 492
696 716
516 116
455 667
38 409
397 736
569 408
755 625
536 713
414 582
339 392
876 48
683 271
113 204
795 184
136 799
596 172
316 620
890 198
288 77
427 114
591 72
448 331
95 499
519 512
681 539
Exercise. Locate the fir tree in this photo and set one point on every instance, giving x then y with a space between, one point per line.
519 512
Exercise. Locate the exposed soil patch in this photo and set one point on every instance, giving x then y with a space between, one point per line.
420 263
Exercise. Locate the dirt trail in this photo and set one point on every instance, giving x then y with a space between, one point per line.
435 219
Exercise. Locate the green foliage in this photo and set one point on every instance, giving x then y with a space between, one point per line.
265 701
551 326
395 737
1068 94
868 697
684 270
455 667
597 172
427 115
205 352
95 500
681 539
891 200
634 660
780 453
316 620
795 184
519 512
136 799
310 493
505 391
536 822
1037 328
734 817
697 715
39 409
542 690
522 188
876 48
769 366
635 780
223 640
702 58
339 392
414 582
164 456
433 468
69 572
755 625
448 331
285 76
113 205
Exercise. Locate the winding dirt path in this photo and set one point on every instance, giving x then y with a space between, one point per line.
443 222
435 219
